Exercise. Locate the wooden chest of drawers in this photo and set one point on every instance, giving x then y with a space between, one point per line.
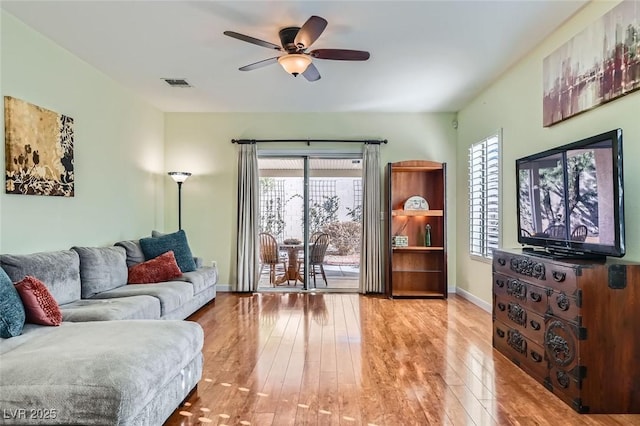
573 325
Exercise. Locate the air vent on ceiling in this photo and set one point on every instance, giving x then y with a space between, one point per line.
177 82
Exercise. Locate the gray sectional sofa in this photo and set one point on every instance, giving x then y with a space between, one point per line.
110 362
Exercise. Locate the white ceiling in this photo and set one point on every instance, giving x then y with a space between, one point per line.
431 56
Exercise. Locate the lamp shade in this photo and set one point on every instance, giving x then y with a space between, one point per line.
294 63
179 177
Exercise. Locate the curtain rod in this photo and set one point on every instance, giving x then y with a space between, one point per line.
308 141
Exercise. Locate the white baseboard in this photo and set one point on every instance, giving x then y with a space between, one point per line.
475 300
223 287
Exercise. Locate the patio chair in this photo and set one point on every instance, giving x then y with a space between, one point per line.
269 255
579 233
313 237
316 257
556 231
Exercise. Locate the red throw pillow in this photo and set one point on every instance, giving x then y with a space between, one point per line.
158 269
39 305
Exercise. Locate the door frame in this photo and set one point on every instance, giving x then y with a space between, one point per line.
307 155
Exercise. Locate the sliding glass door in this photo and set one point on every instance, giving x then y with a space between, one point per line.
312 208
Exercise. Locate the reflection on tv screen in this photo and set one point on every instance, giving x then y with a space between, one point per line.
565 196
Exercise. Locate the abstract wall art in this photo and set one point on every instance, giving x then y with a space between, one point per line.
598 65
38 150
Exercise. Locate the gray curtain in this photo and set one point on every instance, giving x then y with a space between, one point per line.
371 279
248 211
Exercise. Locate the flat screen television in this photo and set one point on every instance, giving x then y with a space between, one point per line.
570 199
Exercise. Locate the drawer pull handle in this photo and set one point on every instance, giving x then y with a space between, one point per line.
517 289
501 261
559 276
517 342
536 356
535 325
502 306
500 332
500 283
563 302
563 379
517 314
536 297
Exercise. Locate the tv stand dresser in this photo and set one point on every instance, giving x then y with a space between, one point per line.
573 325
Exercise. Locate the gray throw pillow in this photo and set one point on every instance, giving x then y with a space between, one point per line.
12 314
134 251
153 247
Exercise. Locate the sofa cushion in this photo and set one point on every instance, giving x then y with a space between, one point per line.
172 294
58 270
201 278
98 373
101 269
30 331
134 251
117 308
153 247
39 305
12 315
195 303
158 269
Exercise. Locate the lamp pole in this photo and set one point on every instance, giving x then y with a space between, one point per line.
179 206
179 178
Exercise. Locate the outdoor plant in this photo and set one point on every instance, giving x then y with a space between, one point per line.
271 209
355 213
323 213
345 236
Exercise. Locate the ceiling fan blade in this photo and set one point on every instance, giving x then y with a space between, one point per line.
310 32
252 40
311 73
340 54
259 64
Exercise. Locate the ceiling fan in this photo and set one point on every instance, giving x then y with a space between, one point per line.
295 42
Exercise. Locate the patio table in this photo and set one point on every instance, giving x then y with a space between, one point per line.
291 273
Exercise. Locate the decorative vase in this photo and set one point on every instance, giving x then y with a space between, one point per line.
427 236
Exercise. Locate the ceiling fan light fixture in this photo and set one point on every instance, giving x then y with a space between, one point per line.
294 63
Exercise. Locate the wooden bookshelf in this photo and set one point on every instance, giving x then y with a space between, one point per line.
417 270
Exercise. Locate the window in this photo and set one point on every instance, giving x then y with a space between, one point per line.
484 197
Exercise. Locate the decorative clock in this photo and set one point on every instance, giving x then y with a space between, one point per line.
416 203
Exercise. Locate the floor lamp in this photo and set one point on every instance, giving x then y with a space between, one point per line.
179 178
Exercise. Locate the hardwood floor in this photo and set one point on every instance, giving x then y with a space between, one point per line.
346 359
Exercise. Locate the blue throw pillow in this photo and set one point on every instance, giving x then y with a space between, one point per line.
12 315
154 247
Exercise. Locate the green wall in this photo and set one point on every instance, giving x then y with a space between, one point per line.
514 103
118 151
201 144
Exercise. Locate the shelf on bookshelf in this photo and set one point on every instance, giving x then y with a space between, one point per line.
417 293
418 248
401 212
416 168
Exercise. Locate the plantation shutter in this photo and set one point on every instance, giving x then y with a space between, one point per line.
484 197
